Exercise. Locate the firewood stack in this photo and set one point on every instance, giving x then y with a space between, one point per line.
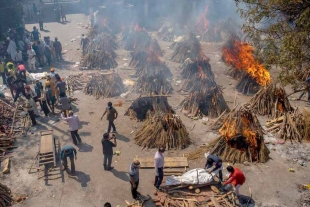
100 53
166 32
166 130
190 68
135 38
241 139
6 198
244 67
105 85
271 100
188 48
143 107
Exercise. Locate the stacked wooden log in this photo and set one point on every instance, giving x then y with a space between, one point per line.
105 85
166 32
140 107
271 100
135 38
74 82
188 48
190 68
163 130
100 53
6 198
241 139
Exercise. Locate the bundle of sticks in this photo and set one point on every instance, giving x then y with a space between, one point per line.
166 32
6 198
166 130
188 48
241 139
100 53
190 68
136 38
142 52
247 85
271 101
105 85
142 106
99 29
292 125
74 82
7 117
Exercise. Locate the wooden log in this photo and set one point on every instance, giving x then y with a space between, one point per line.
6 166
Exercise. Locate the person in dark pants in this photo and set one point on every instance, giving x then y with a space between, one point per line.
37 89
2 72
29 105
159 167
74 122
107 149
111 116
107 204
20 87
68 151
58 48
134 178
213 160
43 101
48 54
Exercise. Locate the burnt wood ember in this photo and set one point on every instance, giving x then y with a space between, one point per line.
190 68
105 85
163 130
247 85
150 104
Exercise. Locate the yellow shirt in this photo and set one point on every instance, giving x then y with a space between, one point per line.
10 63
1 68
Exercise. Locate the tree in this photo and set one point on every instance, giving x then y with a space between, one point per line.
280 30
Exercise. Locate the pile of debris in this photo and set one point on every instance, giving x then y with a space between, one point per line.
271 100
7 117
250 73
142 106
188 48
105 85
241 139
163 130
100 53
6 198
135 38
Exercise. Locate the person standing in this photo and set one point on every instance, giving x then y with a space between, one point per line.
68 151
34 10
84 43
12 49
107 150
213 160
40 19
35 34
43 100
65 104
37 89
20 88
63 14
236 178
111 116
18 56
74 122
48 54
33 95
31 59
50 98
29 106
134 178
52 79
60 86
10 77
40 53
58 48
159 161
2 73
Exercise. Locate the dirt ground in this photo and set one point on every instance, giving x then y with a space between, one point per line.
271 184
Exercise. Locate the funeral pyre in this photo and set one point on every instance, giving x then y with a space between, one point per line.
205 96
250 73
6 198
189 47
100 53
271 100
163 129
141 106
104 85
136 37
241 139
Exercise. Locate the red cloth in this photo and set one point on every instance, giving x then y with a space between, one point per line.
237 177
21 68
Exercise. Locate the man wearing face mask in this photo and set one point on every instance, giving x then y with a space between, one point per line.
111 116
159 167
134 178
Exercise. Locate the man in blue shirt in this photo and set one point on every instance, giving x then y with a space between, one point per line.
68 151
213 160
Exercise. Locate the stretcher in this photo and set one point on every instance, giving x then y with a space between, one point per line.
47 154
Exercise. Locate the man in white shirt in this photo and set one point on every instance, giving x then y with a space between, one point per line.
31 59
74 122
12 49
18 56
29 105
159 167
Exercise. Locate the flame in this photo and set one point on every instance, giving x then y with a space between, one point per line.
138 28
203 23
240 56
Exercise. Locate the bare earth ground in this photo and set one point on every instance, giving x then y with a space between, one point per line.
271 183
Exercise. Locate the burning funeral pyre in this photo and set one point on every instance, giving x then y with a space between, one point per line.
135 38
144 106
244 66
165 130
166 32
100 53
188 48
271 100
241 139
105 85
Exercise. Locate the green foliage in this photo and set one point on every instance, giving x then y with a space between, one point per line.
280 30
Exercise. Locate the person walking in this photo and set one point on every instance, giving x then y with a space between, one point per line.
43 101
60 86
111 116
134 178
65 104
159 161
50 98
68 151
20 87
215 162
38 91
29 106
74 122
31 59
236 178
58 48
33 95
107 150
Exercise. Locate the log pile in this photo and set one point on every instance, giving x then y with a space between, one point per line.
241 139
166 32
271 101
74 82
140 107
6 198
190 68
105 85
163 130
135 38
100 53
188 48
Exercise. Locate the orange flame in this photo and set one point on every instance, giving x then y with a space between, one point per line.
203 22
241 57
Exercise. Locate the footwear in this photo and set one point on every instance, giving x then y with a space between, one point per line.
114 131
111 168
64 168
159 189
